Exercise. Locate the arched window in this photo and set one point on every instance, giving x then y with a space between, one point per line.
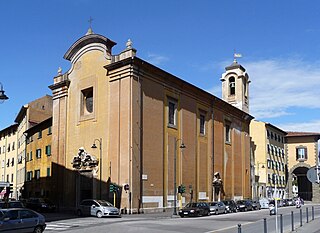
245 91
232 86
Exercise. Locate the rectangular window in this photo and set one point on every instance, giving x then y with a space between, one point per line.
12 162
37 174
50 130
30 156
268 163
48 172
301 153
29 176
227 132
87 101
48 150
172 112
38 153
40 134
202 123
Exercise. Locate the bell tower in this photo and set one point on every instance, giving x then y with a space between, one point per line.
235 86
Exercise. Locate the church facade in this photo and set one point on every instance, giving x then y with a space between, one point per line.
126 131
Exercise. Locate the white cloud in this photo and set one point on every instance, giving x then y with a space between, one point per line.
216 91
312 126
278 85
156 59
283 89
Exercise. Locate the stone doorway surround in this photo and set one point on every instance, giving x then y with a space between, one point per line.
315 187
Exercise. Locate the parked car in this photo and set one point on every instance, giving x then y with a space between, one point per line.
290 202
217 207
40 204
98 208
285 202
11 204
264 203
195 209
231 206
244 205
256 205
21 220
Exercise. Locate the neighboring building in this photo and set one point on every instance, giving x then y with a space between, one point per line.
270 160
302 149
39 182
138 116
28 116
8 157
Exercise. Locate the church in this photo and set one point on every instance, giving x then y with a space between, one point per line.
131 133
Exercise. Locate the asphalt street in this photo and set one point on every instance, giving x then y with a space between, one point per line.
165 222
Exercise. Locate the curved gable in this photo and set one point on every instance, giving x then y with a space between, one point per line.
86 40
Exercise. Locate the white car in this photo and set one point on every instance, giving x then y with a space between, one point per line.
98 208
217 207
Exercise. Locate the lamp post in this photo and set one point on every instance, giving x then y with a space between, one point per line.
100 161
182 146
3 97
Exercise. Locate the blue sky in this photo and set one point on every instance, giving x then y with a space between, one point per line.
194 40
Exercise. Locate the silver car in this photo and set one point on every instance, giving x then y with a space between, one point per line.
98 208
217 207
21 220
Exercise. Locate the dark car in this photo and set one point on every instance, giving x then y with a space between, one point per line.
244 205
21 220
98 208
256 205
40 204
195 209
11 204
231 206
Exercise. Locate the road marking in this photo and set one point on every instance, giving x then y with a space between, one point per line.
227 228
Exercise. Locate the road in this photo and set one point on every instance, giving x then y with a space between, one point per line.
251 221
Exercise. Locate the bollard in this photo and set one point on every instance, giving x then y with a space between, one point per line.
307 214
281 224
312 213
292 221
300 217
265 225
239 228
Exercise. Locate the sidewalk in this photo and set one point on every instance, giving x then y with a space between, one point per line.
312 226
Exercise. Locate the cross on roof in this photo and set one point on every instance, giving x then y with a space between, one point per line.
90 21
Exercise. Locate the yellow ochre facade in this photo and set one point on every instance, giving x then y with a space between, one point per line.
138 117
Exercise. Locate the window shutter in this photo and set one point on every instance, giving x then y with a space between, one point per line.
305 153
297 153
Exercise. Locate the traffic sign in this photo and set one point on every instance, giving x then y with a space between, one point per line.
313 174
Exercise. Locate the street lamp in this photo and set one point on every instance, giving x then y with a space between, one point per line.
100 160
182 146
3 97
